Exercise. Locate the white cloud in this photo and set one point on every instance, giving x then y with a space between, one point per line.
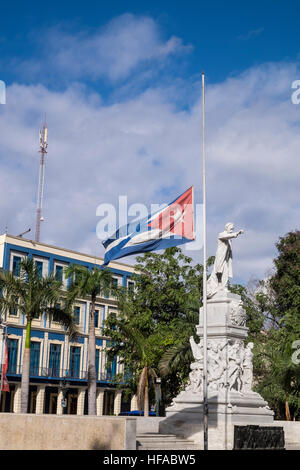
112 52
251 34
147 149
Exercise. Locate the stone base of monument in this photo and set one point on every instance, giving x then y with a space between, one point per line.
253 437
231 400
184 417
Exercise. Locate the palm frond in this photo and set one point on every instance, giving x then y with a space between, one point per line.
174 357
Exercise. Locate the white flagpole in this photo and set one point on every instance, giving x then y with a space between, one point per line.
205 404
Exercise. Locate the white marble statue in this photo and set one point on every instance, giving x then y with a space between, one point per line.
222 269
197 349
228 369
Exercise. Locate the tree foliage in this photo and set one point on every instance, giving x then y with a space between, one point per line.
85 283
163 309
278 374
34 295
159 310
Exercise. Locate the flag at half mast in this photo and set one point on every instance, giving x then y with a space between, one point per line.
171 226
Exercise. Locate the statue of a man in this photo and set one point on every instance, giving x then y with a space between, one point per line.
222 269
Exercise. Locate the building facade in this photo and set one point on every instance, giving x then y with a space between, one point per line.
58 365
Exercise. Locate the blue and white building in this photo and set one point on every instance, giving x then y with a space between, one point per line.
58 369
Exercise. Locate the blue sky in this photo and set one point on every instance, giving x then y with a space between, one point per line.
225 37
120 84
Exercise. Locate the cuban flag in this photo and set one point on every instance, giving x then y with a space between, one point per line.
170 226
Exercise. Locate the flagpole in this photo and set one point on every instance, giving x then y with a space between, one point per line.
205 404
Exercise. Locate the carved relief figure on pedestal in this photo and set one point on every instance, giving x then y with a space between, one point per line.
222 269
195 377
196 374
216 364
235 357
229 365
248 368
197 349
237 314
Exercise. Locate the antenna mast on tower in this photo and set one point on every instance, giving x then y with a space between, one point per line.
42 151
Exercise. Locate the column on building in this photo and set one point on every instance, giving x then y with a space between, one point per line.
40 399
85 357
60 409
17 399
133 403
100 401
80 400
117 402
66 348
45 356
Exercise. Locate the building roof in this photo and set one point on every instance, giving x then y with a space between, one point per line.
32 244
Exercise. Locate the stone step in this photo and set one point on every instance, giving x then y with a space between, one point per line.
156 441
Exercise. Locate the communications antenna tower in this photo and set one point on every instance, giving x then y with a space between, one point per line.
42 151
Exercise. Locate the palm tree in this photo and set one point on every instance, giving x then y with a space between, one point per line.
178 357
142 347
89 283
33 295
147 371
139 345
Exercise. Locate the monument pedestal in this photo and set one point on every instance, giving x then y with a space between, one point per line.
229 376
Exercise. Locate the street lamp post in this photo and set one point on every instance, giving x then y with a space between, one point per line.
64 385
157 390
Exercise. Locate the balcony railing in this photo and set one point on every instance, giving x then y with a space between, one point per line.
55 373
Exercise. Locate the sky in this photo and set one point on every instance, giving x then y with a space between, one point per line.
120 85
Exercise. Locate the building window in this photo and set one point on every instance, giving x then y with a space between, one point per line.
16 265
77 315
32 401
111 369
54 360
99 316
103 316
39 267
36 315
35 357
97 362
74 368
59 273
115 284
130 286
96 318
13 311
12 354
55 316
113 316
